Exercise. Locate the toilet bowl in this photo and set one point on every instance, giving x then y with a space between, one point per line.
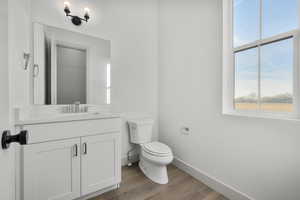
154 156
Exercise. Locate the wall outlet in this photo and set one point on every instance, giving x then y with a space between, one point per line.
185 130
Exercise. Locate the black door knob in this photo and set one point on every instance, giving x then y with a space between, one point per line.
7 138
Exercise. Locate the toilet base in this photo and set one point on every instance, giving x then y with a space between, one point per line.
156 173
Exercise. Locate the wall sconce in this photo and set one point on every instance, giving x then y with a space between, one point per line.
75 19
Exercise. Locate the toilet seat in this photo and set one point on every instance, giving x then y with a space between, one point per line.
157 149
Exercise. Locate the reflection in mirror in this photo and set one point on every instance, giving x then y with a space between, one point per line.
71 73
70 67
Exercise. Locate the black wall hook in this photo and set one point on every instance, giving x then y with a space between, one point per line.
7 138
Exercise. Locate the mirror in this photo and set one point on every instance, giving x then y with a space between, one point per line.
70 67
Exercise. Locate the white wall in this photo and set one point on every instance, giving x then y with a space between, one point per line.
259 157
131 26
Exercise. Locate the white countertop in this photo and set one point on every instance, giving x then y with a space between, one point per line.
65 117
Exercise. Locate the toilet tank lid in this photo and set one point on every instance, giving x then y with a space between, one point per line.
141 121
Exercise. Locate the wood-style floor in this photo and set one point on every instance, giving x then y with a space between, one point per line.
181 186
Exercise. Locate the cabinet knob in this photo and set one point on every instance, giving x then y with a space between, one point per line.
7 138
75 150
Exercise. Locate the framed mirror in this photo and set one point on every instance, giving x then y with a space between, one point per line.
70 67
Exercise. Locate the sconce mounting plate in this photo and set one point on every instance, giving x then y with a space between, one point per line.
76 20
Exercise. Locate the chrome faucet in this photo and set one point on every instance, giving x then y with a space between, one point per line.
77 106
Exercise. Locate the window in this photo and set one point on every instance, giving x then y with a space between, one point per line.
108 84
260 55
246 79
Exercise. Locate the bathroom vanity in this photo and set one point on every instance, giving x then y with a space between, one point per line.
74 143
70 156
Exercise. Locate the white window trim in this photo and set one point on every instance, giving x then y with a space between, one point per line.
229 69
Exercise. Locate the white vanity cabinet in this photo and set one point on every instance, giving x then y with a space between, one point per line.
52 170
71 160
100 152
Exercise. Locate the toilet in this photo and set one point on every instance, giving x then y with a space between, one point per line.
154 156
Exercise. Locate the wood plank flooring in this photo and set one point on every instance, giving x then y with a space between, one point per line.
181 186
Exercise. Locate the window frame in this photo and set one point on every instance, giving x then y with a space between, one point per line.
229 65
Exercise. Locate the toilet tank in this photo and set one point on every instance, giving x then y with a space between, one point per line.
140 130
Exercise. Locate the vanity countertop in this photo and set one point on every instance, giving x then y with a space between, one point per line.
65 117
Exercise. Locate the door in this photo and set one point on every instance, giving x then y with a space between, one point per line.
52 170
6 156
100 162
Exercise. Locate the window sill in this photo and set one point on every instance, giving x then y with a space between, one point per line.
272 116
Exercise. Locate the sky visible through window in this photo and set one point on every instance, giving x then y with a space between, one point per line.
279 16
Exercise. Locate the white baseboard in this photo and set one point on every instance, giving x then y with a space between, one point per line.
214 183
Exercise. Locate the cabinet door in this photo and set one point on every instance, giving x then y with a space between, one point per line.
52 170
100 162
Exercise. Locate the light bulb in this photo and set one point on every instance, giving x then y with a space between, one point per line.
67 4
86 11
